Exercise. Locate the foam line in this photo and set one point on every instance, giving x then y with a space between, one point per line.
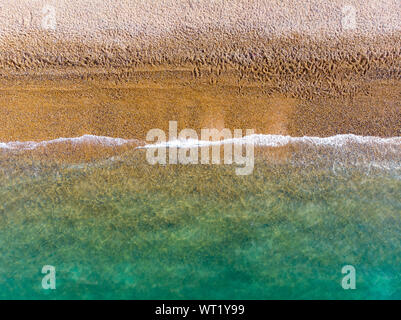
87 138
280 140
262 140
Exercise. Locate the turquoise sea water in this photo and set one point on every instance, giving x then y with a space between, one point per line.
124 229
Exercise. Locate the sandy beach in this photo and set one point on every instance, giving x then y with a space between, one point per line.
121 69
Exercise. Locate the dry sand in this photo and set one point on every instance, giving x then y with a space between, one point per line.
96 19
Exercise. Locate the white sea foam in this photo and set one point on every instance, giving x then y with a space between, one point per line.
85 139
269 140
262 140
362 151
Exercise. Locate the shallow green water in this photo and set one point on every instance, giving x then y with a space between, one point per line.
129 230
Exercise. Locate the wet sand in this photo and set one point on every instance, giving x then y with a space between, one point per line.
49 109
273 76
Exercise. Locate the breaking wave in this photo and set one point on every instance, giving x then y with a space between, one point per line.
345 150
271 140
85 139
262 140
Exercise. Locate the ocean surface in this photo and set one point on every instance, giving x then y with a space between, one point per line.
116 227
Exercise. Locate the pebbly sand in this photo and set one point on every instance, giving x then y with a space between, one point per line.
119 69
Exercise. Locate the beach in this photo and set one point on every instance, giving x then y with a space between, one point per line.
258 65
